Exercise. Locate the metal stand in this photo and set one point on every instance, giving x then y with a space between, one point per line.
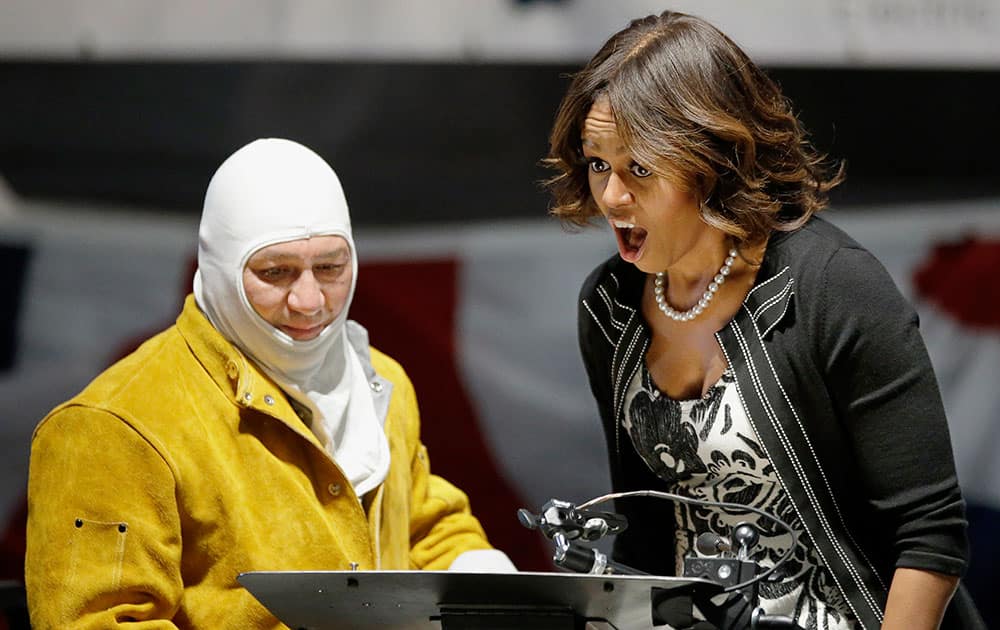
533 618
432 600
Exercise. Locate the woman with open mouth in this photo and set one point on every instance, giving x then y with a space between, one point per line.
742 348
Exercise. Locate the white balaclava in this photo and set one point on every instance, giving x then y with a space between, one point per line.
274 191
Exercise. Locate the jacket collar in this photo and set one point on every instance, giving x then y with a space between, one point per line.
246 384
381 387
767 303
234 374
770 299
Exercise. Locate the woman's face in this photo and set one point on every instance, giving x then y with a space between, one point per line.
656 223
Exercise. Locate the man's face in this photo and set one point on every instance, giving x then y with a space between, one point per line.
300 287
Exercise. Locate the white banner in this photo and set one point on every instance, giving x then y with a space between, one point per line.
893 33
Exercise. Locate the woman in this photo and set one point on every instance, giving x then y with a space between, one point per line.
742 349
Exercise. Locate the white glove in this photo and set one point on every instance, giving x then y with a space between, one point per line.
483 561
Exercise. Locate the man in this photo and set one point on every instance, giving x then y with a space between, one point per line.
260 432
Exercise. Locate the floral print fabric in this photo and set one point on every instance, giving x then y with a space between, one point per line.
707 449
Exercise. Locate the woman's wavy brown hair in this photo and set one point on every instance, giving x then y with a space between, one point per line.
692 107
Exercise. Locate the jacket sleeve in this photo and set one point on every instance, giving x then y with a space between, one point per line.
884 388
103 534
441 522
647 544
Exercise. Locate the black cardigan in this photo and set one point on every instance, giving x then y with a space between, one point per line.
835 379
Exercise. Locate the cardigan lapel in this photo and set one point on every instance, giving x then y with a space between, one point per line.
616 312
768 401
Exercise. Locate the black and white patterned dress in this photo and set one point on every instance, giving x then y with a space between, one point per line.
707 449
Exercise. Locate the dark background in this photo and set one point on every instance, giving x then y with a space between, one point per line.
426 143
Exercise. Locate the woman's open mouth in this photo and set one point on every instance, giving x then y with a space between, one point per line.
631 239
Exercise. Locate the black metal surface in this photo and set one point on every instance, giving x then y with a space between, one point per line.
414 600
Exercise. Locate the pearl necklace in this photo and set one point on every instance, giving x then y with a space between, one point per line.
706 297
